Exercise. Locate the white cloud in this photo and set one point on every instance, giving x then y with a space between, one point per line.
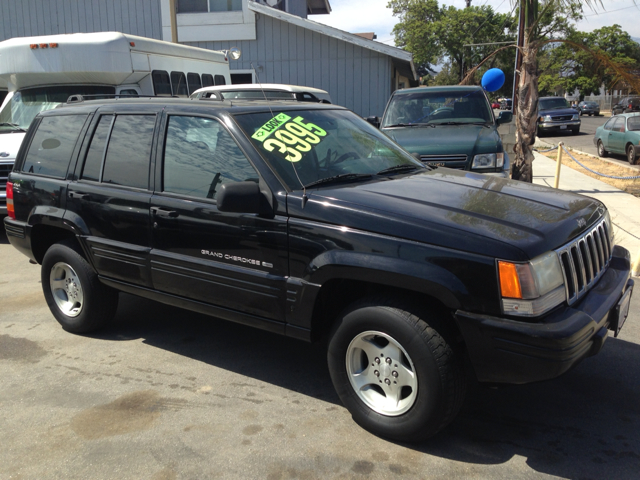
373 16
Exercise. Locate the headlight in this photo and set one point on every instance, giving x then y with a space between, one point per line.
533 288
576 117
546 118
485 160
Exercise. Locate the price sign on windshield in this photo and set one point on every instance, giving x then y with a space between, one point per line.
289 137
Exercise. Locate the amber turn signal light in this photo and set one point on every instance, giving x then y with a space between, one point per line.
509 280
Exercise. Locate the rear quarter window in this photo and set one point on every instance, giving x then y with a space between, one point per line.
52 145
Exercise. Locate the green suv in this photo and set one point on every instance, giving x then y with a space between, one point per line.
450 126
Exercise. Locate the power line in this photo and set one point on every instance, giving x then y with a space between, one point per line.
610 11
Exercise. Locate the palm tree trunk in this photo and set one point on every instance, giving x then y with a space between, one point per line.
526 116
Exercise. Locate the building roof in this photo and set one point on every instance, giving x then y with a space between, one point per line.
318 7
402 59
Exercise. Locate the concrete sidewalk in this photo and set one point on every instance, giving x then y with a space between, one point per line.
623 207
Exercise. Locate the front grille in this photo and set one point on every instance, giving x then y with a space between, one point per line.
5 169
585 260
443 158
562 118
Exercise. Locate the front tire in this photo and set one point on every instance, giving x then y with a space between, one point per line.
75 295
575 131
602 152
396 369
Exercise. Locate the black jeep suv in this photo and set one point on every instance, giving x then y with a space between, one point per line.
307 221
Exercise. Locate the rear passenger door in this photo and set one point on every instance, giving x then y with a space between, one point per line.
111 193
232 260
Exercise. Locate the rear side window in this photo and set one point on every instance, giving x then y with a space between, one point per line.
129 151
219 79
193 79
93 163
207 80
179 84
52 145
161 82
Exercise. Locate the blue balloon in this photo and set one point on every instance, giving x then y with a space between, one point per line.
493 80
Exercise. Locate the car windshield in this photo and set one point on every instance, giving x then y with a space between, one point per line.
552 104
633 124
307 146
438 107
25 104
590 104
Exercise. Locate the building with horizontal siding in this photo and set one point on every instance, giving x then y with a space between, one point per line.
279 43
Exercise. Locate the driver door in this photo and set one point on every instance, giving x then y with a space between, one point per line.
231 260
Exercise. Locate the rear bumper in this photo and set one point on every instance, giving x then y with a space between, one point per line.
510 351
19 235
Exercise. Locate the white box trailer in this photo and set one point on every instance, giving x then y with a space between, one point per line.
41 72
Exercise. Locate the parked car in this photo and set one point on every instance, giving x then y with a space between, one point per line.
495 106
626 105
304 220
555 115
270 91
450 127
621 134
506 104
589 108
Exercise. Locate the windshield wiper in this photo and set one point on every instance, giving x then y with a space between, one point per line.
409 125
14 125
398 168
338 178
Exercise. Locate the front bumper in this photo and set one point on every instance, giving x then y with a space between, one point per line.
512 351
567 125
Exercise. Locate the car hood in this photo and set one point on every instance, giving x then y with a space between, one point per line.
558 111
447 139
457 209
10 144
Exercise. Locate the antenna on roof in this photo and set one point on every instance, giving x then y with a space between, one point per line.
293 164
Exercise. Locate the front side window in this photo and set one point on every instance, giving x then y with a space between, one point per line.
25 104
52 145
609 124
307 146
438 107
199 156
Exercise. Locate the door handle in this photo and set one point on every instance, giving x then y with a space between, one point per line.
160 212
79 196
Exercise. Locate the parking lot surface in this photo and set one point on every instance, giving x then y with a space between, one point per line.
166 394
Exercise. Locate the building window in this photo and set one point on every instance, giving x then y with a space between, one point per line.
198 6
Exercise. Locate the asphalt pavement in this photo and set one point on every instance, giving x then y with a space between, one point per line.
166 394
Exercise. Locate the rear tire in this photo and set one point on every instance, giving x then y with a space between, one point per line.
631 155
395 368
75 295
602 152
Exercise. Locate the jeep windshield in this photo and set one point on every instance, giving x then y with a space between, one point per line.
25 104
552 104
425 107
305 147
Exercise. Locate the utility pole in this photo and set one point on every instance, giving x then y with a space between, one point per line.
520 44
174 21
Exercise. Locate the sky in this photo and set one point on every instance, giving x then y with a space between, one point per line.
357 16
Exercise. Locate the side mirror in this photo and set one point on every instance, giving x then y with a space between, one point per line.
375 121
504 117
241 197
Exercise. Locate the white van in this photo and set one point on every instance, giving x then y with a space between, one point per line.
272 91
39 73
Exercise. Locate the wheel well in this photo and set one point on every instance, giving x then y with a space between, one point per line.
43 236
336 295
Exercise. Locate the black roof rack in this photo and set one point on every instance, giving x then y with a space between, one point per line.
103 96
